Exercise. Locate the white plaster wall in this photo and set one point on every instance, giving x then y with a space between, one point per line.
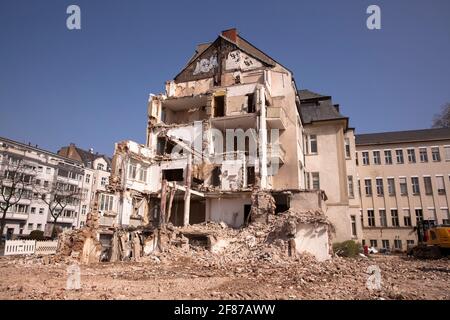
188 132
126 209
241 90
339 216
281 82
139 149
230 211
313 240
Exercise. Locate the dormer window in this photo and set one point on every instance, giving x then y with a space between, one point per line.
100 166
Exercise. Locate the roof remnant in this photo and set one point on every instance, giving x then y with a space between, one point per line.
317 107
308 95
321 112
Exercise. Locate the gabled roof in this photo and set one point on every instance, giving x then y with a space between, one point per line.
403 136
322 112
247 47
89 157
240 43
85 156
198 51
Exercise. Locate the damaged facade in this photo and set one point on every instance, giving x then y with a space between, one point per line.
224 143
233 144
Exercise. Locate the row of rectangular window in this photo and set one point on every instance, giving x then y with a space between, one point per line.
39 169
103 181
41 210
24 208
385 244
399 156
48 170
135 172
395 220
30 226
379 184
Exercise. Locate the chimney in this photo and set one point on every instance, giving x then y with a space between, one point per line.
91 150
336 106
230 34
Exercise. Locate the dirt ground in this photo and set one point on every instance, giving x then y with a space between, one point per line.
190 278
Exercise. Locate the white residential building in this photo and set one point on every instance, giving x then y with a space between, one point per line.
47 168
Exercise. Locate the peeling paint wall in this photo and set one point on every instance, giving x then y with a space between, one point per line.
308 200
232 175
240 60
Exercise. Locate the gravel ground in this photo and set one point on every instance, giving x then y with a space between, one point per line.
189 277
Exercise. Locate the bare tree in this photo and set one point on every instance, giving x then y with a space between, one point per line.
57 196
442 119
16 181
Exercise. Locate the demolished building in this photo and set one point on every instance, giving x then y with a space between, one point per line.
219 131
224 143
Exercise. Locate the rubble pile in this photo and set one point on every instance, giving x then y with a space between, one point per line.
286 226
189 278
213 244
263 206
260 242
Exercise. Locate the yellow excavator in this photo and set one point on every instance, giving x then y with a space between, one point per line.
433 240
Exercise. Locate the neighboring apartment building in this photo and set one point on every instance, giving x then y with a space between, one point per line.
330 162
97 170
404 176
45 169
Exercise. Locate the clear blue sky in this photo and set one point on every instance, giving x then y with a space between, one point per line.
91 86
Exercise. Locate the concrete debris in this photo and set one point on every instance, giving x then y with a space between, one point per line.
262 241
274 239
190 276
81 244
263 205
